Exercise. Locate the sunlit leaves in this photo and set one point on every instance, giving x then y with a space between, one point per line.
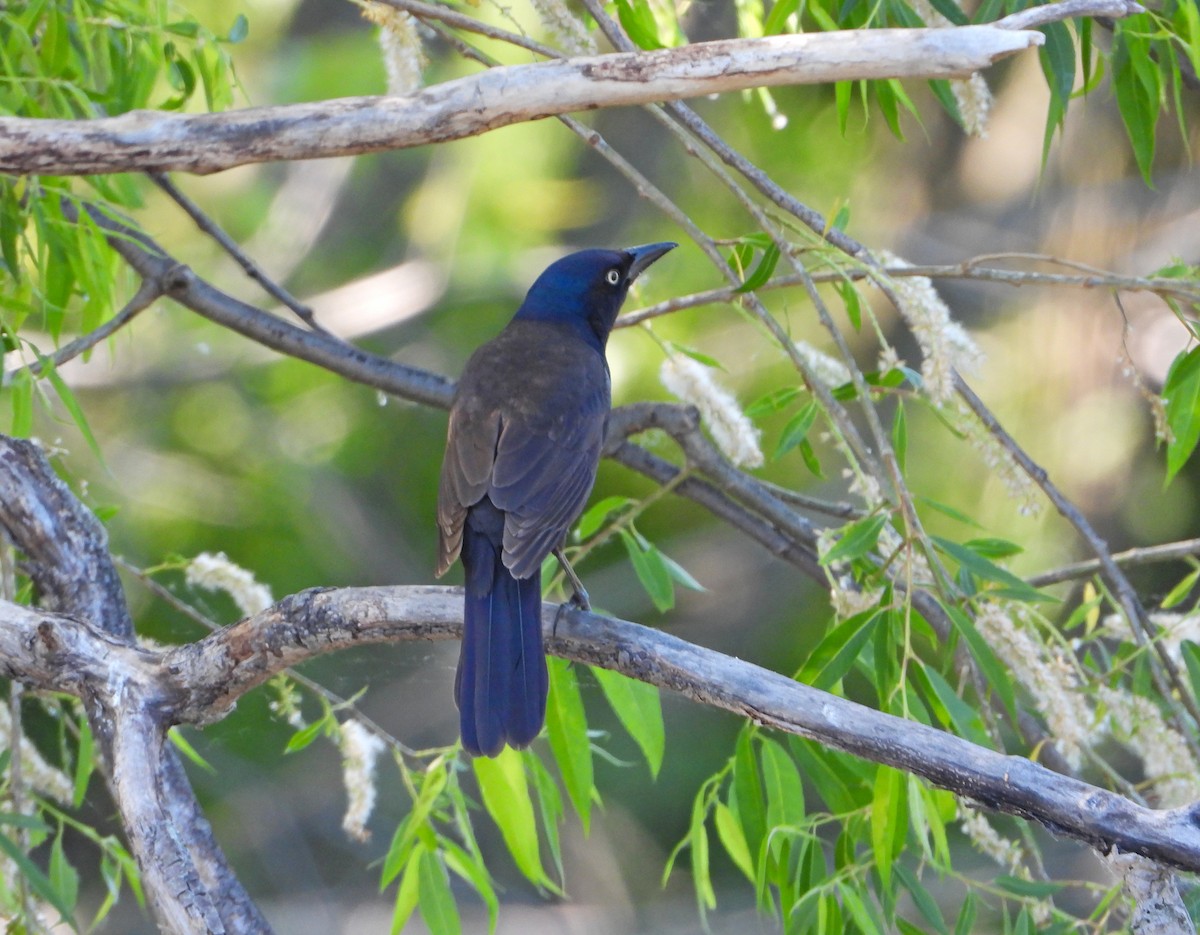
566 725
647 26
86 60
1181 393
1057 56
1137 84
505 791
657 572
639 709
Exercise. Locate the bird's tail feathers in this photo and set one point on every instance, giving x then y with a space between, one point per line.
502 683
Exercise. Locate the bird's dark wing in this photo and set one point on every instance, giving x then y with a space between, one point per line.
543 475
466 474
525 431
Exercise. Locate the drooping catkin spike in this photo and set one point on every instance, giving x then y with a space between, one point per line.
360 750
731 429
400 42
218 573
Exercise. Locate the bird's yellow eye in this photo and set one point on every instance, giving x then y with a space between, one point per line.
613 276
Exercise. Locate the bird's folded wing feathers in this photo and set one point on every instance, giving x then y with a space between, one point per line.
542 481
466 477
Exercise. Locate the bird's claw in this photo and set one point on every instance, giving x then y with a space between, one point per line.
579 600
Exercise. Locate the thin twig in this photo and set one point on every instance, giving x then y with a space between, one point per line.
1168 552
433 13
1101 279
145 296
252 269
1171 686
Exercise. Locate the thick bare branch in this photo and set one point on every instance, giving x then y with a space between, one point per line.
200 681
498 97
65 546
186 876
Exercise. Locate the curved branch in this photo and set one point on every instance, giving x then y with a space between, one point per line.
200 681
498 97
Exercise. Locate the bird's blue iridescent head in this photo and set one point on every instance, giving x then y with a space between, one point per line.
585 290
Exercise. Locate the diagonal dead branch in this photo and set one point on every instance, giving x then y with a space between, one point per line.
251 268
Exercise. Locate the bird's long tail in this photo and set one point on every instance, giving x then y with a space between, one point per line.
501 683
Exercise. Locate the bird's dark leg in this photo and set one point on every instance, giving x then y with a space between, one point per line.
580 597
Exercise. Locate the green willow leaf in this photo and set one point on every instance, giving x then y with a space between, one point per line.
1057 56
505 791
1135 84
889 821
781 782
857 540
746 796
733 839
638 706
38 882
638 21
566 725
832 658
434 898
1008 584
63 877
407 893
1181 394
796 430
651 570
706 897
475 873
762 273
997 676
414 824
776 20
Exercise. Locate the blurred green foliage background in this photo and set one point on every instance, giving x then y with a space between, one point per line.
212 444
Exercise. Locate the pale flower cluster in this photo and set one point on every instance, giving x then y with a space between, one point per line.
731 429
828 370
987 840
1049 676
360 750
1173 630
400 43
1000 462
1165 756
564 26
849 599
974 100
218 573
286 703
973 97
945 344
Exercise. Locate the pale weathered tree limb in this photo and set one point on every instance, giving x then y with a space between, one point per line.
200 681
184 873
498 97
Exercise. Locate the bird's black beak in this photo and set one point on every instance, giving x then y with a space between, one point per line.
646 254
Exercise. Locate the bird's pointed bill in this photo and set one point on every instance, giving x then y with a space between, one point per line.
646 254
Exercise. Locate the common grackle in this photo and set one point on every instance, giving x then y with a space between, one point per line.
526 426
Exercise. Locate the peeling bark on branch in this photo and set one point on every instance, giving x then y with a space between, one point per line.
205 143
